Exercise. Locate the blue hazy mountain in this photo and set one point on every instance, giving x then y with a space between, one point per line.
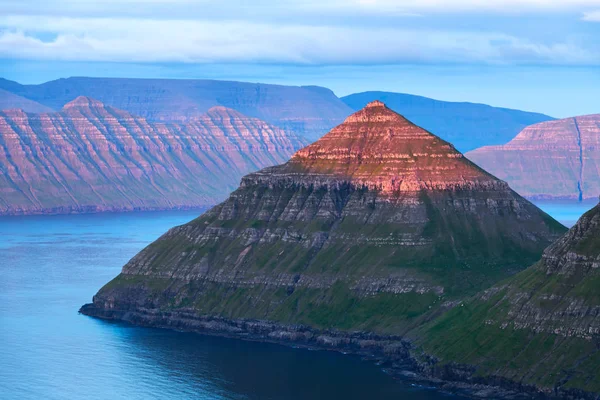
309 111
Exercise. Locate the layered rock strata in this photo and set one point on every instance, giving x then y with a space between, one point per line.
466 125
91 157
308 111
541 328
373 228
550 160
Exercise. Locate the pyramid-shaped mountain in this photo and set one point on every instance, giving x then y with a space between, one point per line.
370 228
381 150
539 328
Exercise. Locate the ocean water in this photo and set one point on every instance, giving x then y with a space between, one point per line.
567 212
51 265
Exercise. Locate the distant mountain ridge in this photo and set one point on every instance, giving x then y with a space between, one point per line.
9 100
466 125
551 160
308 111
90 157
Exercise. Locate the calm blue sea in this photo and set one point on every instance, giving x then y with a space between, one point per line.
567 212
51 265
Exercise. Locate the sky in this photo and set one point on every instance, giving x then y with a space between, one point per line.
536 55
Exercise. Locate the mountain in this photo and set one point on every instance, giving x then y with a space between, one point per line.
309 111
540 328
556 159
10 100
366 231
465 125
92 157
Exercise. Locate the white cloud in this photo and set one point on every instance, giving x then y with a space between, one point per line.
593 16
508 6
151 40
283 8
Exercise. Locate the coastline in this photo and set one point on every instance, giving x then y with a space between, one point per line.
99 210
540 201
396 355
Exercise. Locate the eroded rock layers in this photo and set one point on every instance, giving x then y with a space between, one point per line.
372 228
308 111
91 157
550 160
466 125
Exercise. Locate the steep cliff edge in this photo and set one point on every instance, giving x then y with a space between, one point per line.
91 157
539 328
372 228
550 160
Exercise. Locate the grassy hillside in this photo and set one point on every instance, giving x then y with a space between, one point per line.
540 327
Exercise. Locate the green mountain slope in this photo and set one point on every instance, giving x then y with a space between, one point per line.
371 228
540 327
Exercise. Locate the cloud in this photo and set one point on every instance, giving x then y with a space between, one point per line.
317 32
593 16
284 8
147 40
154 40
506 7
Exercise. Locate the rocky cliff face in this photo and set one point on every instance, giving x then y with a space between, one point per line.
91 157
542 327
550 160
466 125
308 111
372 228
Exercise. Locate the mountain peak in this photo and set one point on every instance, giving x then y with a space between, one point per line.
219 109
83 102
380 148
224 112
375 103
377 112
579 248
